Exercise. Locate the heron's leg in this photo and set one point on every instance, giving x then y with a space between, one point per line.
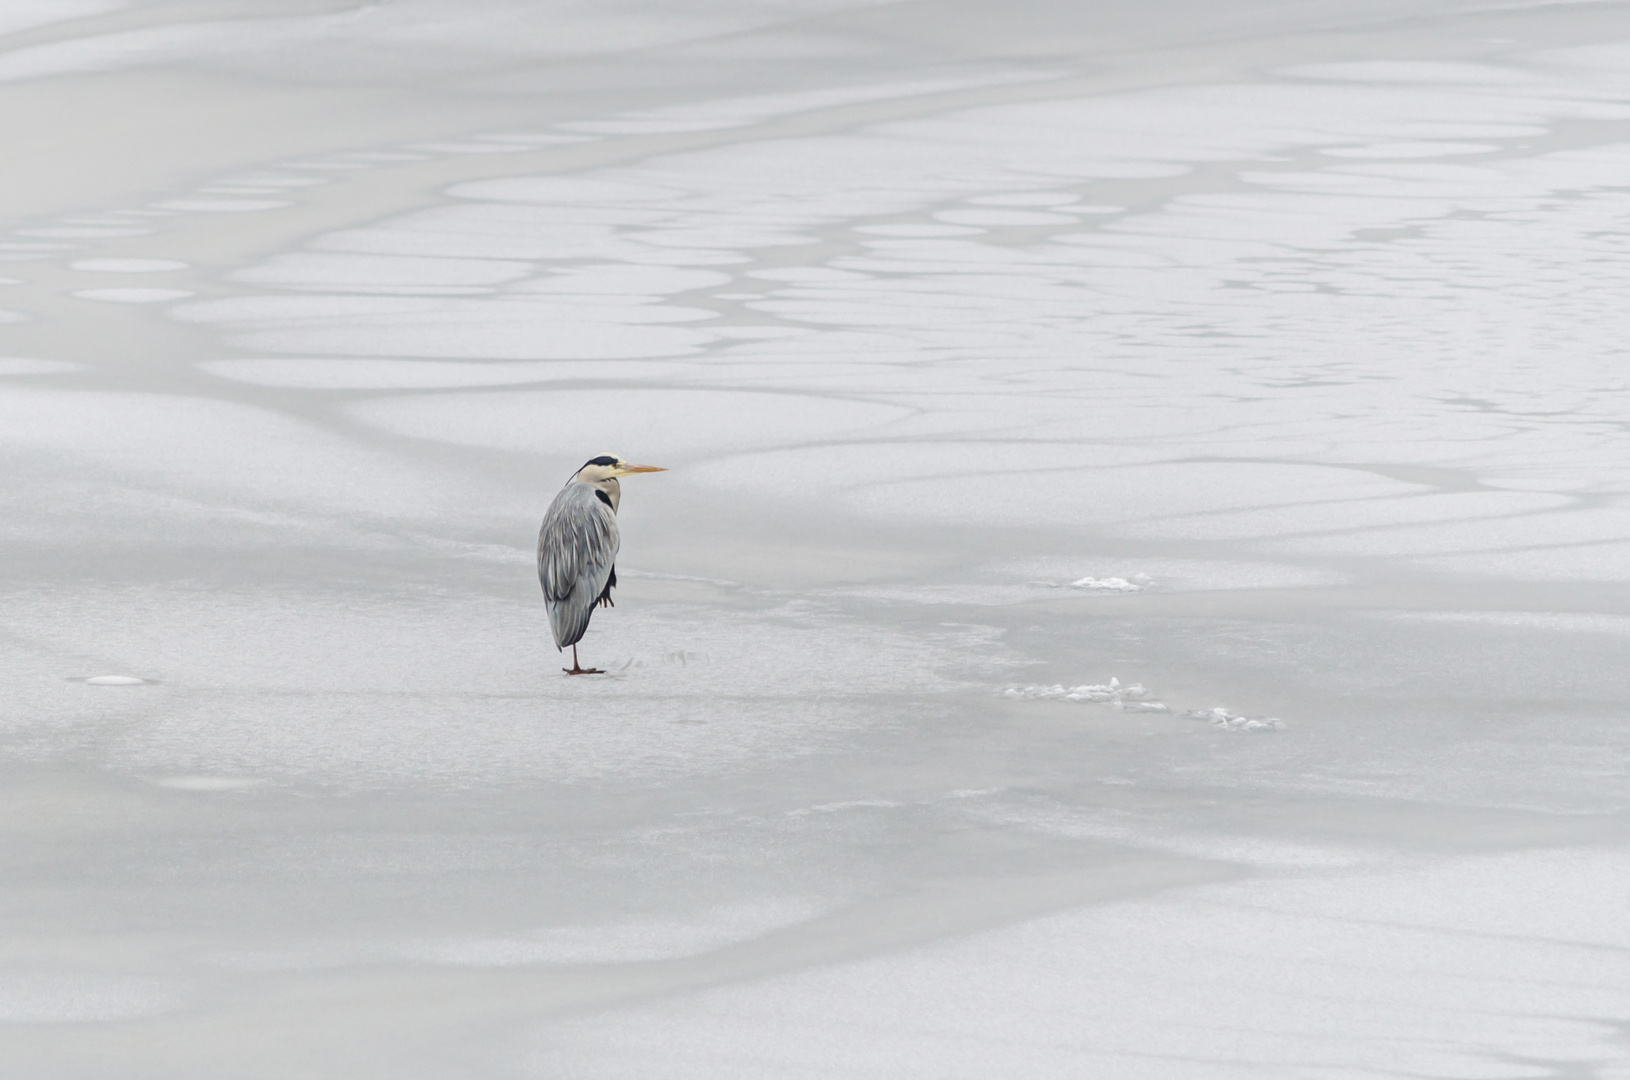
578 669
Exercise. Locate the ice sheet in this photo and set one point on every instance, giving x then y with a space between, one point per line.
1391 977
128 266
133 295
1139 590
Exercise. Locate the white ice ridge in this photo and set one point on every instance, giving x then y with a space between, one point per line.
1113 584
1220 717
1134 698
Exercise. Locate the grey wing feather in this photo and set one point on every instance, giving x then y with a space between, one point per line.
576 549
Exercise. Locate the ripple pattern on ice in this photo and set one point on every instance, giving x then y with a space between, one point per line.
1357 184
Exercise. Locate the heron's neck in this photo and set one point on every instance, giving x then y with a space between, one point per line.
610 486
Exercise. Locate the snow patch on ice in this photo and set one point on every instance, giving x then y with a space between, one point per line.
1175 575
1134 698
114 680
1138 698
1220 717
1138 583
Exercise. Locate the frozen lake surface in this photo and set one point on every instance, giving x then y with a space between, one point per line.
1142 588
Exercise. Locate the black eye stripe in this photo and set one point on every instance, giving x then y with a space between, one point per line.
603 459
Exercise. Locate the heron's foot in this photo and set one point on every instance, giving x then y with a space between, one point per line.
605 601
583 670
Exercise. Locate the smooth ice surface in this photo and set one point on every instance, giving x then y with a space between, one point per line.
1141 588
127 266
24 365
132 295
1363 972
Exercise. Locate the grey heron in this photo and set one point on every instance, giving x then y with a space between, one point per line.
577 550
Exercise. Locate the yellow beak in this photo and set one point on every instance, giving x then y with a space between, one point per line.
624 470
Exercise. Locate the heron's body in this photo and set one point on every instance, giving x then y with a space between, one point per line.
577 549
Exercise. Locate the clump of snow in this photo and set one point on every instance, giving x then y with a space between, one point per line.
1134 698
1138 698
1220 717
1137 583
115 680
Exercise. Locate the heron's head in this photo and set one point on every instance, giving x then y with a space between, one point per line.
609 467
